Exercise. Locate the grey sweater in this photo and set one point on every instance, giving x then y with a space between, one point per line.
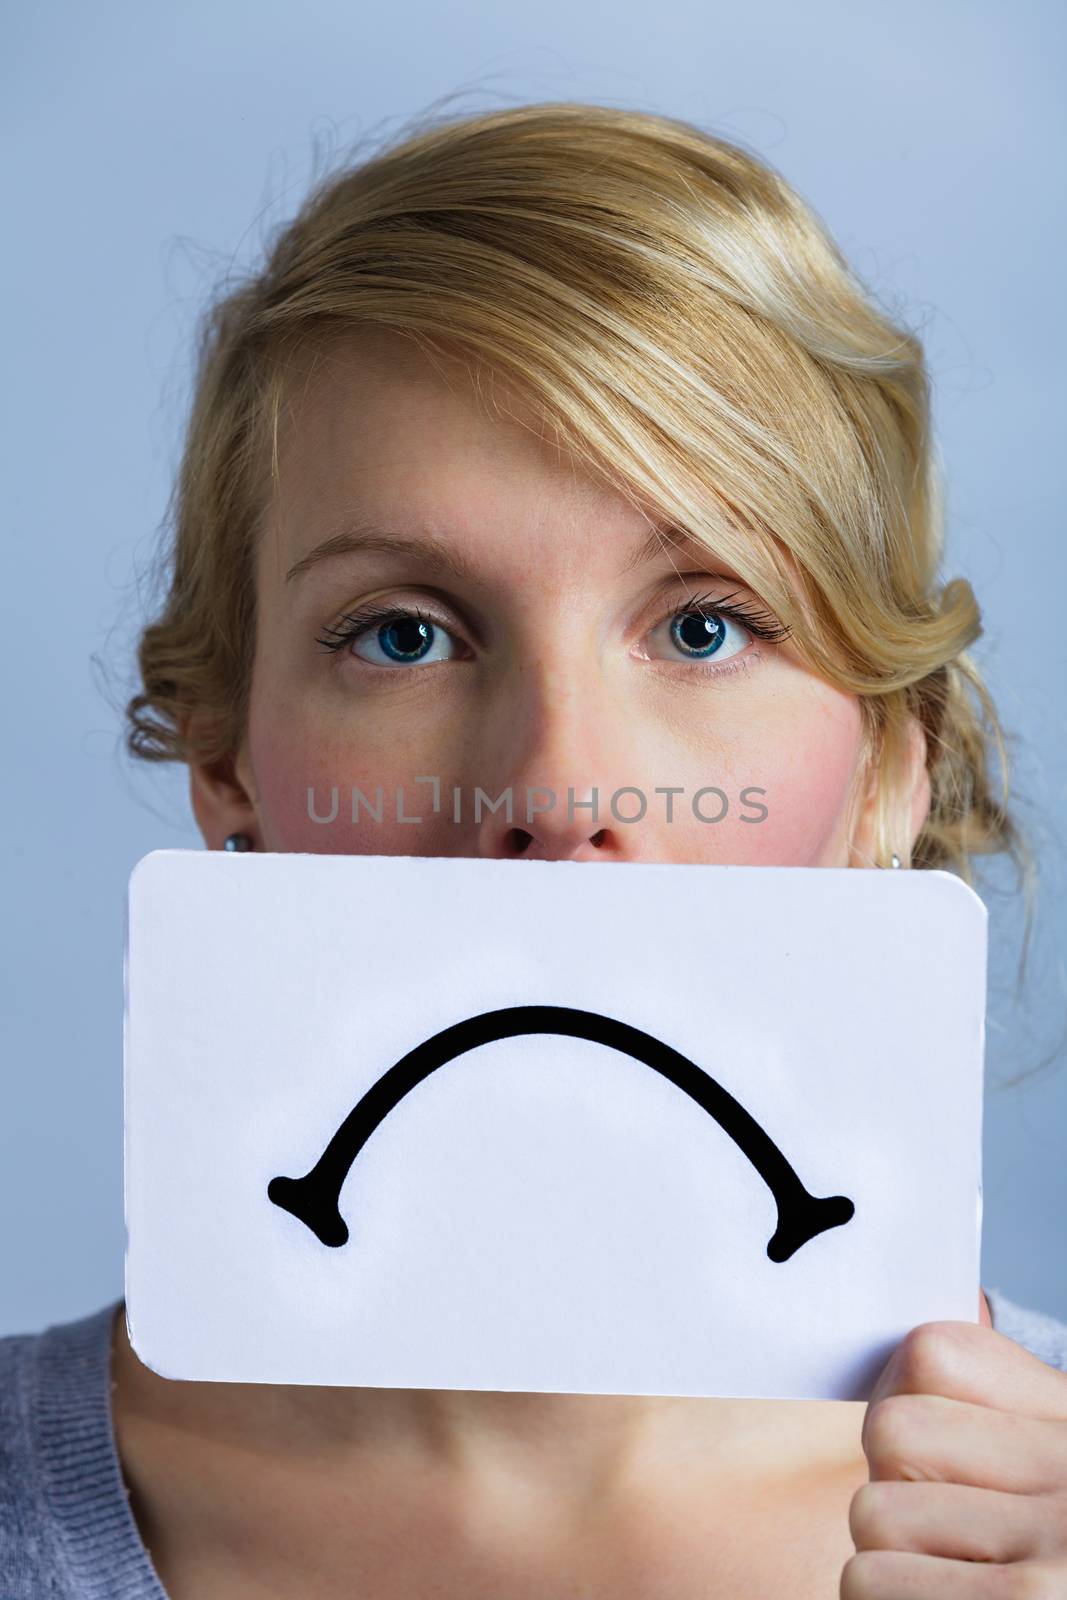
66 1529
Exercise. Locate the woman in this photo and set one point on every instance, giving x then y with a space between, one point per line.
558 447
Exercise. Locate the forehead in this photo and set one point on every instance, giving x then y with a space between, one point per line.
384 376
373 427
370 413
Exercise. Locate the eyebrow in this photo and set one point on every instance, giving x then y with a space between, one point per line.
365 537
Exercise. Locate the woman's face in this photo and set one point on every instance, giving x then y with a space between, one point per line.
542 661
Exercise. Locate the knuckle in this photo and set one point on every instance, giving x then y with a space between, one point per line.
891 1428
868 1517
929 1356
864 1576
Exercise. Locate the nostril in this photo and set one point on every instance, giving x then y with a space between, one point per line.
519 841
597 839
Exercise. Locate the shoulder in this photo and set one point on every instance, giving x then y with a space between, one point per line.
56 1456
27 1561
1042 1334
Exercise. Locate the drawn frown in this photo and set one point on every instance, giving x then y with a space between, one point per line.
314 1198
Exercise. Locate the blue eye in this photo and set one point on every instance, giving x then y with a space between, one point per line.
701 635
701 629
405 641
391 637
698 634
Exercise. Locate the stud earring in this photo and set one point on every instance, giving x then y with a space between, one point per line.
237 841
895 860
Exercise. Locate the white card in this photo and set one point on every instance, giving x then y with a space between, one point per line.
623 1128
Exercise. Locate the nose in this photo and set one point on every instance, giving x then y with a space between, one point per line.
557 825
556 758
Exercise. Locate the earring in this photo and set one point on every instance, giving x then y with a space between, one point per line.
895 862
237 841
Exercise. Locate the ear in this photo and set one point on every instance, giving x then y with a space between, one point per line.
223 798
918 796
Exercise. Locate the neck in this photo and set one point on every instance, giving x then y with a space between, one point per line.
575 1446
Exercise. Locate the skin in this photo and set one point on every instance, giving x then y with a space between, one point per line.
553 666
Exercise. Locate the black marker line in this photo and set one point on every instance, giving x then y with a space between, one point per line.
314 1198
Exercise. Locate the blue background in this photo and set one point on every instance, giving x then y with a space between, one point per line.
149 150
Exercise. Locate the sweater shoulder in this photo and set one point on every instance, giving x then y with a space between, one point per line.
66 1528
28 1559
1044 1335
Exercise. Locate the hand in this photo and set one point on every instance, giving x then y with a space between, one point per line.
966 1437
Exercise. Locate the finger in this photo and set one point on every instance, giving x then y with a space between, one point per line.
896 1575
926 1438
966 1362
948 1519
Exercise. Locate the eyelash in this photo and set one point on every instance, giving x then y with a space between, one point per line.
360 622
761 624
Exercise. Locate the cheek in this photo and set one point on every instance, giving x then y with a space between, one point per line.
811 772
807 810
802 753
303 771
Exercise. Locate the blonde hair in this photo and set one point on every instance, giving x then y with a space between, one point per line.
695 338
